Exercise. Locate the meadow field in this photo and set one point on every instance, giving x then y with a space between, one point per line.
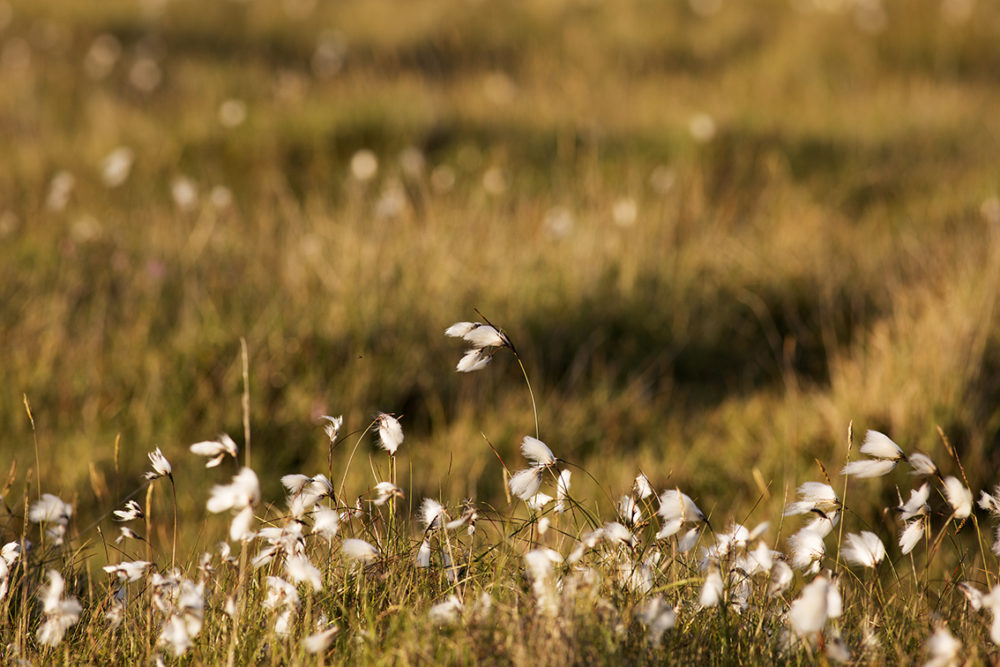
711 246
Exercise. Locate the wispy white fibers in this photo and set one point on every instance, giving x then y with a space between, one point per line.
676 509
485 340
562 491
814 497
807 548
959 497
524 483
538 563
358 550
922 464
59 612
658 617
240 496
712 589
161 466
917 504
911 535
942 649
390 433
819 601
216 449
537 452
864 549
884 452
446 613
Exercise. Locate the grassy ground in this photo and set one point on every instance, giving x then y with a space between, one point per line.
715 237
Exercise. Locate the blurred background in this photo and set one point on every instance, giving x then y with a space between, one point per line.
717 232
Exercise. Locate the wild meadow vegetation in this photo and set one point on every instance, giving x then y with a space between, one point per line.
719 279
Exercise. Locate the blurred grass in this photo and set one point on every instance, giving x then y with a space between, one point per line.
830 254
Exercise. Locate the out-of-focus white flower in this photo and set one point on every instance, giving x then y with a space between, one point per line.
175 636
432 514
538 563
319 641
524 483
537 502
629 510
50 509
537 451
807 548
687 542
615 533
359 550
184 193
959 497
942 649
300 569
814 497
244 491
215 449
390 432
886 454
161 466
711 591
446 613
562 491
911 535
129 571
677 508
990 503
60 613
864 549
819 601
922 464
917 504
326 523
364 165
781 578
642 488
658 617
384 491
116 167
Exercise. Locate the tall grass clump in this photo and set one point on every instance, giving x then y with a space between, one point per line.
567 570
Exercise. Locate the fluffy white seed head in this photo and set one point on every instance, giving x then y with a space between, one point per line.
922 464
868 468
359 550
390 433
562 491
807 548
675 505
161 466
942 649
959 497
537 451
880 446
911 536
818 602
524 483
917 504
474 360
483 335
864 549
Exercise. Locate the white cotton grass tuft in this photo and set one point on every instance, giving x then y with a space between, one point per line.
50 508
865 549
676 509
240 496
215 450
880 446
446 613
358 550
658 617
917 503
712 589
319 641
641 487
384 491
807 549
130 511
922 464
942 649
537 452
958 496
432 514
868 468
814 497
818 602
562 491
525 483
301 570
911 535
129 570
60 612
390 432
332 426
161 466
485 339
